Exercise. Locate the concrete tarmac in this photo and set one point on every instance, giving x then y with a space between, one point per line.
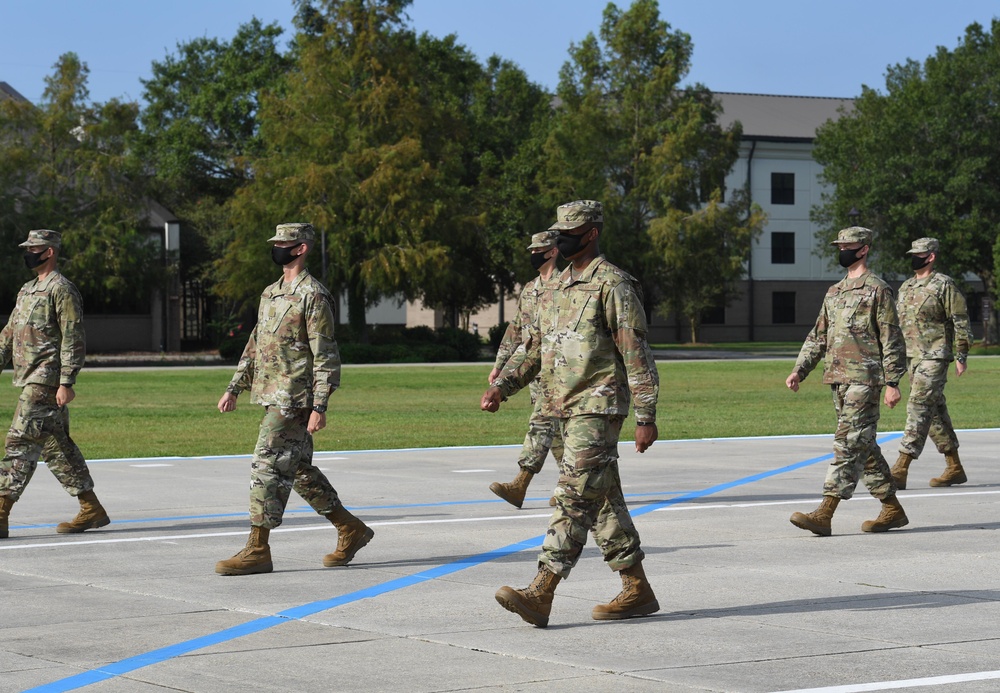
748 602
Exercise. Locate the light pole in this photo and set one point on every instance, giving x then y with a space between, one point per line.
854 215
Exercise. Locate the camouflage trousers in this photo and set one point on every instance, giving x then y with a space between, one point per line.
926 410
544 434
589 498
282 461
41 430
856 452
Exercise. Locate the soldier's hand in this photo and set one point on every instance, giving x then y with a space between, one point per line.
317 422
792 381
493 375
645 436
491 400
227 403
64 395
892 396
960 368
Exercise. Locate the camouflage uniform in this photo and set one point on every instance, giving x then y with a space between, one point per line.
44 338
934 317
290 365
589 349
543 431
858 335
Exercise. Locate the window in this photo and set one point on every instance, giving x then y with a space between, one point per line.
716 315
782 248
782 188
783 307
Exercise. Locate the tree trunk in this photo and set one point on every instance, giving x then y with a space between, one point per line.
356 308
694 329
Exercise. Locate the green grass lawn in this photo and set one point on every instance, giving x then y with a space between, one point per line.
172 411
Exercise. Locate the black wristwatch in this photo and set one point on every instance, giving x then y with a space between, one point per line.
890 384
961 358
319 408
645 423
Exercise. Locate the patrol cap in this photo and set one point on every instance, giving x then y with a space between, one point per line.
923 245
52 239
293 232
543 239
573 215
853 234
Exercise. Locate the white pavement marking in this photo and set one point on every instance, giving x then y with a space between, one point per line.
472 471
907 683
144 466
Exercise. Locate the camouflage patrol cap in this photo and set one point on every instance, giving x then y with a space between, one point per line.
52 239
543 239
293 232
573 215
853 234
923 245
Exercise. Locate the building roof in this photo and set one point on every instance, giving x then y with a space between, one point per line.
779 117
9 92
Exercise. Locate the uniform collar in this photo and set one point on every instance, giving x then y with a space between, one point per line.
585 276
43 284
280 289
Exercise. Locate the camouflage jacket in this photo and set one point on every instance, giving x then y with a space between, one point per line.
588 344
858 333
44 335
934 317
527 306
291 359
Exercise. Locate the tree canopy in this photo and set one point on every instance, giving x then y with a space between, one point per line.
922 158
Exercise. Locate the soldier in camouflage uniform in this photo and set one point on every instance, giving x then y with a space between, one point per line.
858 334
589 347
543 431
935 322
44 338
291 365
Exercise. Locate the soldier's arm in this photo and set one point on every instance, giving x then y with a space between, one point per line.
72 348
523 365
626 318
326 354
243 378
958 313
890 337
7 340
814 347
512 336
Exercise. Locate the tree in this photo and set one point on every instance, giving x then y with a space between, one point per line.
923 159
704 254
354 147
64 165
201 127
627 134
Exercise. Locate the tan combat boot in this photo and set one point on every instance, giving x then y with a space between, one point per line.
513 492
254 558
818 521
892 516
900 469
352 536
953 473
6 503
91 515
534 602
635 599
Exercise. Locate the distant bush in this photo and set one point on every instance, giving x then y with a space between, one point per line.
496 335
412 345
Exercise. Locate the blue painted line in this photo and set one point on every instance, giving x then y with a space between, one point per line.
146 659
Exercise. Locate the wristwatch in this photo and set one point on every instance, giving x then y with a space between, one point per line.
645 423
891 384
319 408
961 358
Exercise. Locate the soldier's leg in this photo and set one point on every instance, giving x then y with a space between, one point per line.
25 438
850 441
537 442
921 407
275 462
588 478
63 457
941 430
312 484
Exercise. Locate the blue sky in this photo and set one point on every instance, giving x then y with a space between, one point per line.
795 47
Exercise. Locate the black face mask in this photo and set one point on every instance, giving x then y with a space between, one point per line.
282 256
33 260
571 245
539 259
919 262
849 257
